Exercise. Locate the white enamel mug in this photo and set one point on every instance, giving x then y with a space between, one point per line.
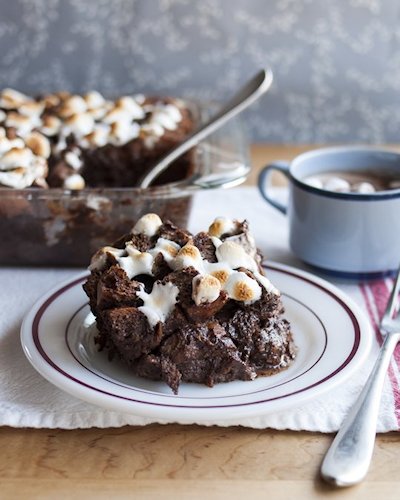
349 235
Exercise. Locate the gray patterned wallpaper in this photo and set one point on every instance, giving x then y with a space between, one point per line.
336 63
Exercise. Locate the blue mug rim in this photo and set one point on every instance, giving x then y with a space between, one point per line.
377 196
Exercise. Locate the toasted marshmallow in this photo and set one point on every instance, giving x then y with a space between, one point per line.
7 144
131 106
153 129
73 105
150 132
164 120
12 99
158 304
51 125
235 256
31 108
136 262
222 225
98 113
173 112
149 224
17 179
39 144
3 115
247 242
123 132
16 158
242 288
205 289
99 259
80 124
73 160
167 116
16 143
188 256
74 182
167 248
22 124
39 170
94 100
51 100
117 115
99 137
4 145
219 270
23 177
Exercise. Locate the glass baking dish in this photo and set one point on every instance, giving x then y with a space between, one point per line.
59 227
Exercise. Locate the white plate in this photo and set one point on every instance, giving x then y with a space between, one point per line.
332 334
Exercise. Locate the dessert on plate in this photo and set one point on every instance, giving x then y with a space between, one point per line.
179 307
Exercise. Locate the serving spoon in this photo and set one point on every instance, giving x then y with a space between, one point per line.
250 92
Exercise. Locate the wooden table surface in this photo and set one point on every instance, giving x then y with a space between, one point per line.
184 462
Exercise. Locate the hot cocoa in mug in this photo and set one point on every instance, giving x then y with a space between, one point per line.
343 209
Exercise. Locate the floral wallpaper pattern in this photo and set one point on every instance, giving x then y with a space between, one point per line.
336 63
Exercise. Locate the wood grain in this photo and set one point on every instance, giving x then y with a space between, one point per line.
179 462
184 462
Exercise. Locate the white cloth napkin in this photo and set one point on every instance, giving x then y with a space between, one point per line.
28 400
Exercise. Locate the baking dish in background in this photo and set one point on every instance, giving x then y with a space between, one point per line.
59 227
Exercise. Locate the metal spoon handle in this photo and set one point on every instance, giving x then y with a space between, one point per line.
349 456
253 89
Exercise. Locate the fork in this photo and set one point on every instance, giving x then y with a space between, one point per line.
349 456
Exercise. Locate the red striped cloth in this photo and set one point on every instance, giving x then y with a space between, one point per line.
376 295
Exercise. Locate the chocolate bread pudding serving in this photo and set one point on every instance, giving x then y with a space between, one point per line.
176 307
69 165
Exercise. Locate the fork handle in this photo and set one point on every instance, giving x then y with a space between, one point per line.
348 458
